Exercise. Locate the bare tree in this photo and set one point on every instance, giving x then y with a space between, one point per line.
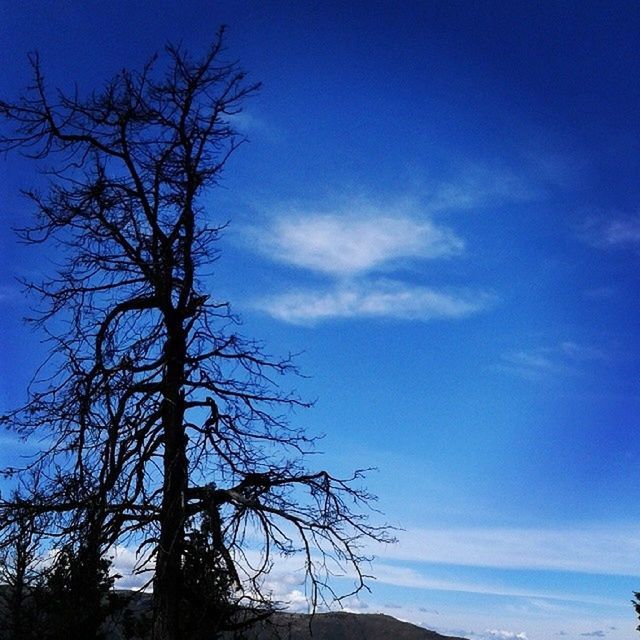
168 429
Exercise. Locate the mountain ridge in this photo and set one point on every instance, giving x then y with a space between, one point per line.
343 625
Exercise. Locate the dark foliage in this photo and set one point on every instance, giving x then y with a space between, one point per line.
21 574
75 598
636 605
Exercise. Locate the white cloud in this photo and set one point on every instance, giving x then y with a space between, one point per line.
248 122
481 186
600 550
406 577
481 620
581 352
532 364
623 231
384 298
355 604
603 232
351 244
563 359
501 634
354 240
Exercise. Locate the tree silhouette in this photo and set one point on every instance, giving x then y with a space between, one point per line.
75 599
168 431
636 605
21 559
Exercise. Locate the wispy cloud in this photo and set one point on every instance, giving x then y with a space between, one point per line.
501 634
249 123
479 186
412 578
607 232
533 365
581 352
563 359
378 299
351 245
490 634
623 231
611 551
356 239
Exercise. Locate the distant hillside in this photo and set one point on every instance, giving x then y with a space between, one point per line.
344 626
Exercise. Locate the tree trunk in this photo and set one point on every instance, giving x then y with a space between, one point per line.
167 586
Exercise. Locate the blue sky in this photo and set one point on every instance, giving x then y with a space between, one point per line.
439 208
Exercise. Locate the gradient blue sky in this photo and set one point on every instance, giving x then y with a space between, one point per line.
439 208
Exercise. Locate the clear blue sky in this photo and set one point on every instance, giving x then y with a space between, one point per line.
439 208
